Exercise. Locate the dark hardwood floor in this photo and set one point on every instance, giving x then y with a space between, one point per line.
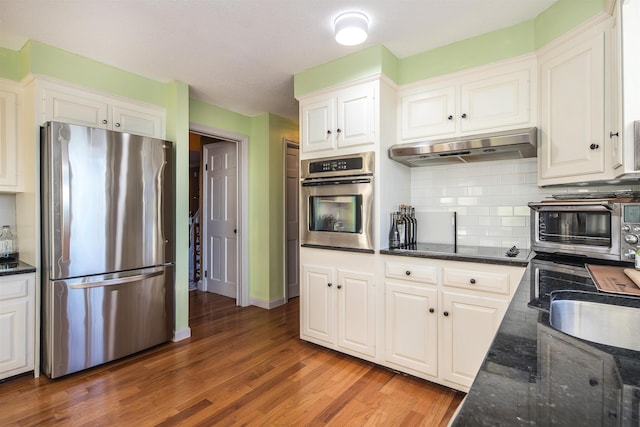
241 366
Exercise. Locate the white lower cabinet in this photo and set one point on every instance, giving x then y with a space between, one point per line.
435 318
412 327
441 316
469 323
17 324
337 309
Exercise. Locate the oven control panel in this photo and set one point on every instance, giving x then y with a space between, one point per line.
350 163
331 167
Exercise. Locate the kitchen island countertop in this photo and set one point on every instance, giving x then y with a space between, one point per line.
480 254
535 375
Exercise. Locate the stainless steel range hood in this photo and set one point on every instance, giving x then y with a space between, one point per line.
512 144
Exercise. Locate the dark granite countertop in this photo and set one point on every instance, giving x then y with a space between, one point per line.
536 375
480 254
16 268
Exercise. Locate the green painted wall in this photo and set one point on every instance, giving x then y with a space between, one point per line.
484 49
562 16
177 95
498 45
219 118
39 58
9 64
365 63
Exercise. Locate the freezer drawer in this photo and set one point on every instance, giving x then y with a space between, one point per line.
92 320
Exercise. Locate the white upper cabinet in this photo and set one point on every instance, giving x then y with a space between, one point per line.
338 119
487 99
428 113
68 104
578 142
9 147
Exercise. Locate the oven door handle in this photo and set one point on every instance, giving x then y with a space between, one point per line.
603 205
316 183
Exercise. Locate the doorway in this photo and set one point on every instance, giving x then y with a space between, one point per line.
292 229
223 218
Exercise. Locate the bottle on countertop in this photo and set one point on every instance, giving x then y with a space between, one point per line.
8 245
414 224
394 234
402 230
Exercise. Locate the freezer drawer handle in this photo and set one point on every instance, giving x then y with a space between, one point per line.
117 281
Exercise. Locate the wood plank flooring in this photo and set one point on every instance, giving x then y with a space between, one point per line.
241 366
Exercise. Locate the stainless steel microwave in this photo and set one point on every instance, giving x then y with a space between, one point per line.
603 229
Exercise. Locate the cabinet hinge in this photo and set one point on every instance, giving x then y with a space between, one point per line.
205 274
206 166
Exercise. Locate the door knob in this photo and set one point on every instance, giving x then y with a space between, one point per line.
235 231
446 314
594 146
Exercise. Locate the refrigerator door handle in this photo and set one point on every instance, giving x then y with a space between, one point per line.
64 189
117 281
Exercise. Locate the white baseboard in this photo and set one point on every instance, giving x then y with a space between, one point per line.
267 304
182 334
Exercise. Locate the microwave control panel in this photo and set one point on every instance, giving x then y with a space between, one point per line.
630 230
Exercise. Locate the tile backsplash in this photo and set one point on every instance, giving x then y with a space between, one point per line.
490 198
8 210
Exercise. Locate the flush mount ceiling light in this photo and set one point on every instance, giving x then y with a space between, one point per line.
351 28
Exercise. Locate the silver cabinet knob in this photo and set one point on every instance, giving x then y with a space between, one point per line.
339 286
117 125
104 122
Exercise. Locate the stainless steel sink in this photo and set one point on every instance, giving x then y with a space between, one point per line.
600 318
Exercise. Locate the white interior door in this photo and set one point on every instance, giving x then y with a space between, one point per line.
220 214
292 191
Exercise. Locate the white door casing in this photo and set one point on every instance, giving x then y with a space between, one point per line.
220 214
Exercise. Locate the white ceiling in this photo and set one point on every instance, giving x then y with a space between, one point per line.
242 54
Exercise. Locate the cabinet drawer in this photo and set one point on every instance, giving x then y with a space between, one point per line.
416 273
13 288
497 283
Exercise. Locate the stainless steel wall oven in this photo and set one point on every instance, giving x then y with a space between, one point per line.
337 202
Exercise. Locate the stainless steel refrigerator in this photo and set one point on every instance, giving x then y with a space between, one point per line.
108 245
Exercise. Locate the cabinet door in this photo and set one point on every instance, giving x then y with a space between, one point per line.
356 308
412 327
572 119
428 113
318 125
494 103
8 141
355 123
69 107
571 372
138 120
317 298
13 336
469 323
